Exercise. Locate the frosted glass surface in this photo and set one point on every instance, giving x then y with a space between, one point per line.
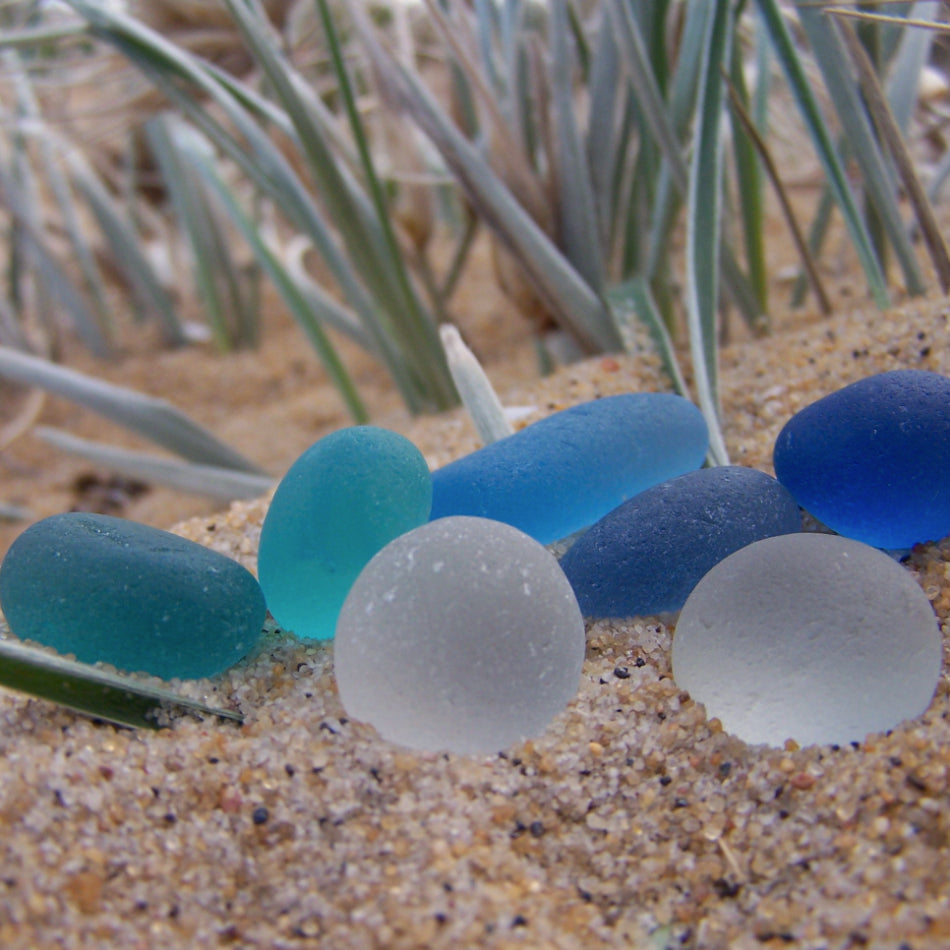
106 589
872 460
812 637
647 555
462 635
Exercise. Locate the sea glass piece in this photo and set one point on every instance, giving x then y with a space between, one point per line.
462 636
106 589
810 637
872 460
346 497
647 555
565 472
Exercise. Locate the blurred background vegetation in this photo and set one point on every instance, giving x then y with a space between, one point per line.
162 161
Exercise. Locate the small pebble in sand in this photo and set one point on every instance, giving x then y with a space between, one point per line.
566 471
462 636
144 600
646 556
346 497
812 637
872 460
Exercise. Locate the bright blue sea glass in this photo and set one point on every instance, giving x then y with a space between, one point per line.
872 460
144 600
344 499
566 471
647 555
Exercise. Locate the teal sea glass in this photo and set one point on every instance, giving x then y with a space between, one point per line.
345 498
143 600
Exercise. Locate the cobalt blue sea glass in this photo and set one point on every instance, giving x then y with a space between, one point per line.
872 460
343 500
566 471
144 600
647 555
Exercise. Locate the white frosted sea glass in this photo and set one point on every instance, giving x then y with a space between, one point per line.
811 637
462 635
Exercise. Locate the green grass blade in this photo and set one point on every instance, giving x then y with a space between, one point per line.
303 306
657 118
418 330
56 281
125 246
225 484
749 188
580 309
832 58
92 691
913 53
704 227
170 69
363 226
633 299
155 419
603 130
891 135
580 230
95 333
217 275
790 62
810 267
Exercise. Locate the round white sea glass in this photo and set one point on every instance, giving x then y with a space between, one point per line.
810 637
462 635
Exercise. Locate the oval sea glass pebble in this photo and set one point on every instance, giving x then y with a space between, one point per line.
872 460
462 636
144 600
564 472
812 637
646 556
346 497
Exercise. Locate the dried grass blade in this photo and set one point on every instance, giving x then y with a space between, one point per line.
890 134
478 395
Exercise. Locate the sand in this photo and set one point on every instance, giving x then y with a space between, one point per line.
633 821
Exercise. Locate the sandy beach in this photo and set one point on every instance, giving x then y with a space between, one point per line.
633 821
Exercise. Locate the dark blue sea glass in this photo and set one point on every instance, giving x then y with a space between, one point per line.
872 460
647 555
143 600
566 471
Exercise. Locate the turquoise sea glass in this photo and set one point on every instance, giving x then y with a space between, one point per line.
144 600
346 497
